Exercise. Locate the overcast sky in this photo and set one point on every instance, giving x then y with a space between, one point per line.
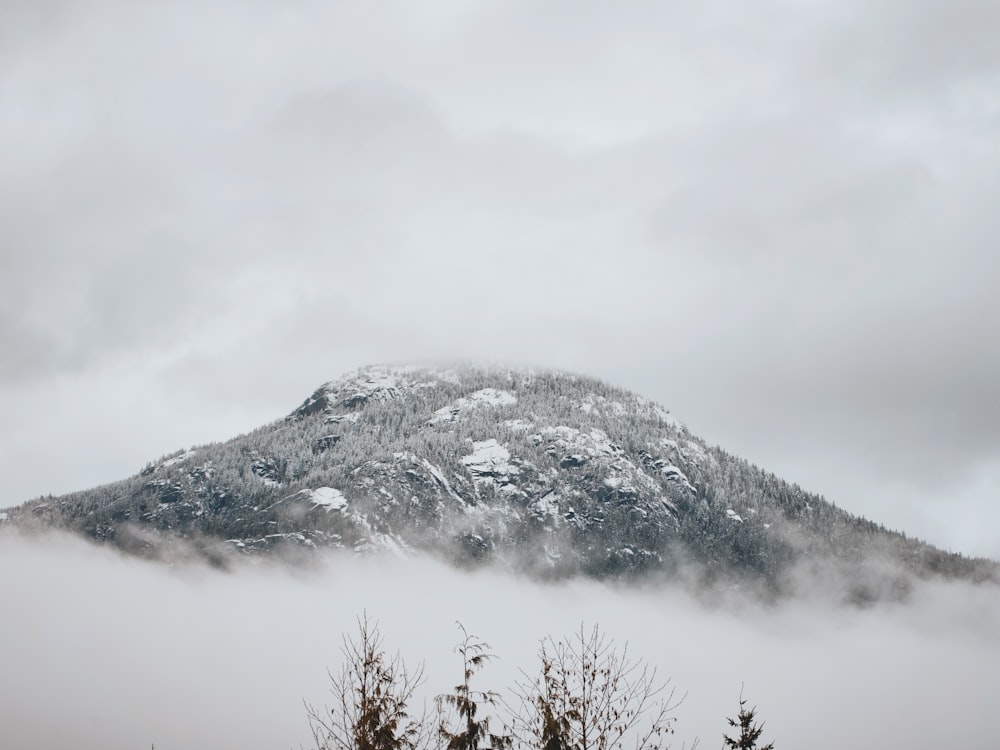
777 219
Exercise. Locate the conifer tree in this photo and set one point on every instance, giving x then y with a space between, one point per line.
750 731
470 732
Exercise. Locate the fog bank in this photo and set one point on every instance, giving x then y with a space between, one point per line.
106 652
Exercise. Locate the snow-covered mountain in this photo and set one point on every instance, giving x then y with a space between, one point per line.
546 473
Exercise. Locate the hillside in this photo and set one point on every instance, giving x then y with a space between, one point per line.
545 473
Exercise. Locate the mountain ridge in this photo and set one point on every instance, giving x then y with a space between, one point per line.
548 473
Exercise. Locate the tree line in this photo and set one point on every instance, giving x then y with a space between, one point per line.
586 693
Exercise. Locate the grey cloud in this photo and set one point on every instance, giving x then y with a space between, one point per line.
746 213
918 54
359 117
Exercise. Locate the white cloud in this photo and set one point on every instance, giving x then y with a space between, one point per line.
105 652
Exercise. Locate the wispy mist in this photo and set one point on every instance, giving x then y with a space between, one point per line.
106 652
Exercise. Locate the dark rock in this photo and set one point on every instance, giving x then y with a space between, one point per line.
325 443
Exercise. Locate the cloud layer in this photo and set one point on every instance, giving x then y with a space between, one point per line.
105 652
776 221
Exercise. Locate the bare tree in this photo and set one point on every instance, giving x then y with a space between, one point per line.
371 699
470 731
591 696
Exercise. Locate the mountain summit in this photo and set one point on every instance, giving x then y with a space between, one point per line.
546 473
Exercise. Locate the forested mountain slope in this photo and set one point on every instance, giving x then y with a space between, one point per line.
546 473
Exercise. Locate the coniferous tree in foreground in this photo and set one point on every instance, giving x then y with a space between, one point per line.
750 731
470 731
371 697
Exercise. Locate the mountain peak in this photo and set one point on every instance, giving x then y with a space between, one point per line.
381 383
545 472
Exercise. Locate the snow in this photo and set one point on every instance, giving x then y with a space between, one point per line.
444 414
552 555
377 541
694 452
296 535
379 384
487 454
177 459
667 418
440 477
353 416
672 473
485 397
520 425
734 515
573 443
3 517
690 451
569 439
493 397
327 497
489 459
602 405
547 506
375 384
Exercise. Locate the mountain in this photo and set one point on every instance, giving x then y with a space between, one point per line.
546 473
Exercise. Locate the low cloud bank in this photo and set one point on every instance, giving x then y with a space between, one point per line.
106 652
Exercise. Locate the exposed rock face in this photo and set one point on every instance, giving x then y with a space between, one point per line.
548 473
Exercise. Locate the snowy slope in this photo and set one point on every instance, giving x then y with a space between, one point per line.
544 472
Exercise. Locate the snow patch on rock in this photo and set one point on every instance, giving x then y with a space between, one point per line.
326 497
490 462
688 451
377 542
493 397
372 385
518 425
176 459
595 443
593 403
672 474
352 416
485 397
441 480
